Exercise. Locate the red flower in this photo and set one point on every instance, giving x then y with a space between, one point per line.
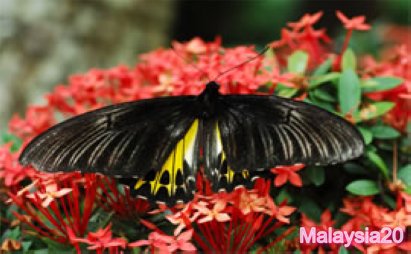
303 36
167 244
307 20
355 23
396 64
10 170
101 240
37 120
325 223
216 213
122 203
53 219
287 173
182 218
51 192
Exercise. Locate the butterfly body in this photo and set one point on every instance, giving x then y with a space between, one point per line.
156 144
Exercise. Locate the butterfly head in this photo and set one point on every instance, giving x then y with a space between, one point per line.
208 97
212 85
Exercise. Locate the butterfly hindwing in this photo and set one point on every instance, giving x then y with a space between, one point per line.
175 181
220 174
266 131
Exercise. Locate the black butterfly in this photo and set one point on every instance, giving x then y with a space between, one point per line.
157 143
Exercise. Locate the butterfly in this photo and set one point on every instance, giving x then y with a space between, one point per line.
156 145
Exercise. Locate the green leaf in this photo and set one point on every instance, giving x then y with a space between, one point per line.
316 175
42 251
349 91
373 110
297 62
405 174
355 169
26 245
322 104
389 201
384 132
283 195
363 187
380 84
323 79
348 60
379 162
323 95
310 208
16 142
366 134
342 250
323 68
285 91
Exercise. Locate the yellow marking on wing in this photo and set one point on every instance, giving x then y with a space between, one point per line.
245 173
174 163
230 172
139 183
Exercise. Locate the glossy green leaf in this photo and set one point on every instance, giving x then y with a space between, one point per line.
10 138
355 169
324 96
323 68
285 91
363 187
405 174
348 60
342 250
323 79
297 62
366 134
316 175
26 245
349 91
380 84
373 110
310 208
322 104
384 132
379 162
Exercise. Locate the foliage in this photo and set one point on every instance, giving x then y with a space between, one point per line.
66 212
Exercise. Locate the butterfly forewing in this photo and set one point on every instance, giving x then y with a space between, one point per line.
267 131
126 139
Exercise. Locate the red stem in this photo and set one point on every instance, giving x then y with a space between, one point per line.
346 41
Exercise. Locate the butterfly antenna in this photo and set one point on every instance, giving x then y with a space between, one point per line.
262 52
191 64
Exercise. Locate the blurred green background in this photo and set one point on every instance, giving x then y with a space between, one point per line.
42 42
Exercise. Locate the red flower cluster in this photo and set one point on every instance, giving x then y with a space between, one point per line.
397 63
301 35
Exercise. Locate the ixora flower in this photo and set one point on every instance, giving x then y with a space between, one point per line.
287 173
10 170
167 244
51 192
100 240
355 23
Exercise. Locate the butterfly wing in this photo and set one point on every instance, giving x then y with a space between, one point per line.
152 140
221 175
267 131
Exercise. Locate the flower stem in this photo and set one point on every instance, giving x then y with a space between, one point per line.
346 42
